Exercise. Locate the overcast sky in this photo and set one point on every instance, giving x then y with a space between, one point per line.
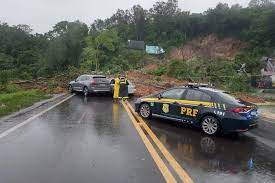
41 15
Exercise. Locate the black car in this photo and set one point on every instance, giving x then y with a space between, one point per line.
210 109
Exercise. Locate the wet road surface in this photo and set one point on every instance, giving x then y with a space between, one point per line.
226 159
93 140
78 141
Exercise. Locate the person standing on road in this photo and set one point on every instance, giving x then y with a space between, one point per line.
123 88
116 88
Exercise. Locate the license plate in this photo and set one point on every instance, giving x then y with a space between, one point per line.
102 85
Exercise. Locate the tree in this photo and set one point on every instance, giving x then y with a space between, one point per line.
259 3
139 16
101 49
6 62
89 55
67 41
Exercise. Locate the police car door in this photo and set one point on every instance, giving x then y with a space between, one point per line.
194 104
169 104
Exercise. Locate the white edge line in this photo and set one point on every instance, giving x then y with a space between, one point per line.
82 117
7 132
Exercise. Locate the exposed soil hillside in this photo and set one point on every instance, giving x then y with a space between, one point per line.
147 84
210 47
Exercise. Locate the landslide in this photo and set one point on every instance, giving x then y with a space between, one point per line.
208 47
147 84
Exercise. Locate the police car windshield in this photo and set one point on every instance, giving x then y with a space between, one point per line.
228 98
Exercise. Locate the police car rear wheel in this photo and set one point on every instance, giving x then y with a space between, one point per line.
145 111
210 125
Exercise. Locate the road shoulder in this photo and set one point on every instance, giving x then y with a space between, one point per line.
18 117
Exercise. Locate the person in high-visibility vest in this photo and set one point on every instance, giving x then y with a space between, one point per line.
116 88
123 88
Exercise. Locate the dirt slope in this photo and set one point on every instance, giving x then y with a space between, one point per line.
210 47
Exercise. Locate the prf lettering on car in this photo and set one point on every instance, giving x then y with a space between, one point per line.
189 111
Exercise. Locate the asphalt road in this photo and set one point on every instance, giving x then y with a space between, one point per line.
79 141
93 140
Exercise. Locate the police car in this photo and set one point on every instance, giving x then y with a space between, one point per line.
210 109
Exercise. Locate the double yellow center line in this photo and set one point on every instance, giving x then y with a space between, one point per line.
139 124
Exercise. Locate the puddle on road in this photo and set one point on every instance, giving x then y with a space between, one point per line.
216 159
267 108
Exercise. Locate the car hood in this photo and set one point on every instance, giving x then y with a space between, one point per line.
147 96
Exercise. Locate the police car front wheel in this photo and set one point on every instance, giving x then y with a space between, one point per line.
210 125
145 111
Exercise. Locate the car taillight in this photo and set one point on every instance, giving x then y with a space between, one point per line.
240 109
93 82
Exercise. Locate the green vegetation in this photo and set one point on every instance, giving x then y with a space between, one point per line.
11 102
10 88
73 46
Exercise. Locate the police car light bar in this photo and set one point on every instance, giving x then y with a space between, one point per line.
197 85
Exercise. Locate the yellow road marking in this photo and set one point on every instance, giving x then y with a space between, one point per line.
178 169
159 162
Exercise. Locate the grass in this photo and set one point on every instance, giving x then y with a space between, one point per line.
11 102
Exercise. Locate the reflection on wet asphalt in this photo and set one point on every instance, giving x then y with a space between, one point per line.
81 140
216 159
92 140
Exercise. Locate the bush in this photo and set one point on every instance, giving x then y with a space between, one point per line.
12 88
159 72
6 76
181 70
25 75
238 83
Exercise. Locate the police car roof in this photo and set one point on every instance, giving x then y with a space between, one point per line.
212 89
205 88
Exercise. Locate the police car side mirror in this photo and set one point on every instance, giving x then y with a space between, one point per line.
159 96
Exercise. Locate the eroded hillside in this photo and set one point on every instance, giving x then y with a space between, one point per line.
209 47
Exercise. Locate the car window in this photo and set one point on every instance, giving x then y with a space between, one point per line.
83 78
101 79
173 94
79 78
196 95
87 78
228 98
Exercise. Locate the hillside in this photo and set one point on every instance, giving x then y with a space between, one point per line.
208 47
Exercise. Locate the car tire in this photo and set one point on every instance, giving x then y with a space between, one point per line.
145 111
210 125
85 91
71 90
